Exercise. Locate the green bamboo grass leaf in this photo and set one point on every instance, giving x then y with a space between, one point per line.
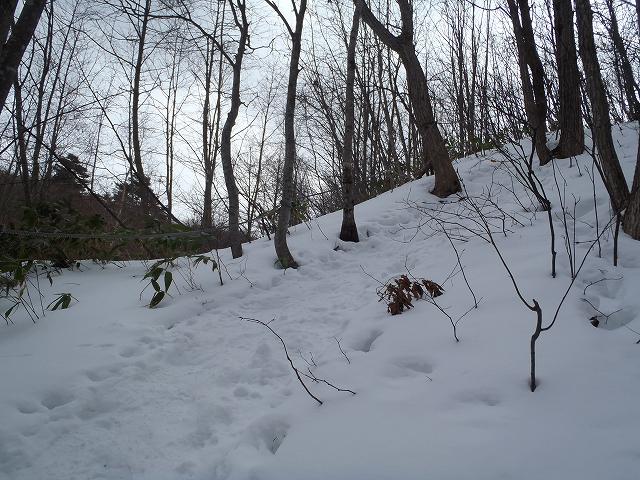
157 298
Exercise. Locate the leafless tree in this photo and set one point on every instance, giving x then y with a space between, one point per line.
531 75
284 213
612 172
571 130
349 230
434 149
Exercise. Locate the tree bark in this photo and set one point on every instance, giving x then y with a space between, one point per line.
284 213
22 147
349 230
225 142
14 47
571 128
613 177
631 224
7 11
433 147
210 129
628 81
143 181
533 89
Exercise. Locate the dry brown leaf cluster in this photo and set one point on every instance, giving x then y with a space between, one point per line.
399 293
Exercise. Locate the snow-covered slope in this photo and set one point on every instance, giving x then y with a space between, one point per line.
110 389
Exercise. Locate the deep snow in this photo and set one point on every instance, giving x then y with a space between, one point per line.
110 389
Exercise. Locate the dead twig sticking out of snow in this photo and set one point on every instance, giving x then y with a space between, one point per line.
594 320
533 305
341 350
311 376
584 292
311 363
299 374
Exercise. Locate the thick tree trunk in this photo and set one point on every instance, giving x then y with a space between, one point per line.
7 11
349 230
631 223
613 176
284 214
533 89
434 149
14 47
571 128
225 142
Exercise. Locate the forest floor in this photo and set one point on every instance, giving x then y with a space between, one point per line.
110 389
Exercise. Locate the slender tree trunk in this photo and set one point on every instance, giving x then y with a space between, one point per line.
22 146
571 128
349 230
284 214
613 177
14 47
225 142
211 126
207 158
170 125
629 84
143 181
533 89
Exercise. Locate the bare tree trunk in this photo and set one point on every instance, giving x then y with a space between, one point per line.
208 150
7 9
533 90
14 47
225 142
211 126
22 147
349 230
631 223
433 147
170 120
628 81
613 176
284 214
135 111
571 128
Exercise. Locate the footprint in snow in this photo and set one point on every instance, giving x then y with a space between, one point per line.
365 343
478 397
414 364
57 398
28 407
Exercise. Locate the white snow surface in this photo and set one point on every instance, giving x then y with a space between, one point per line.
109 389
